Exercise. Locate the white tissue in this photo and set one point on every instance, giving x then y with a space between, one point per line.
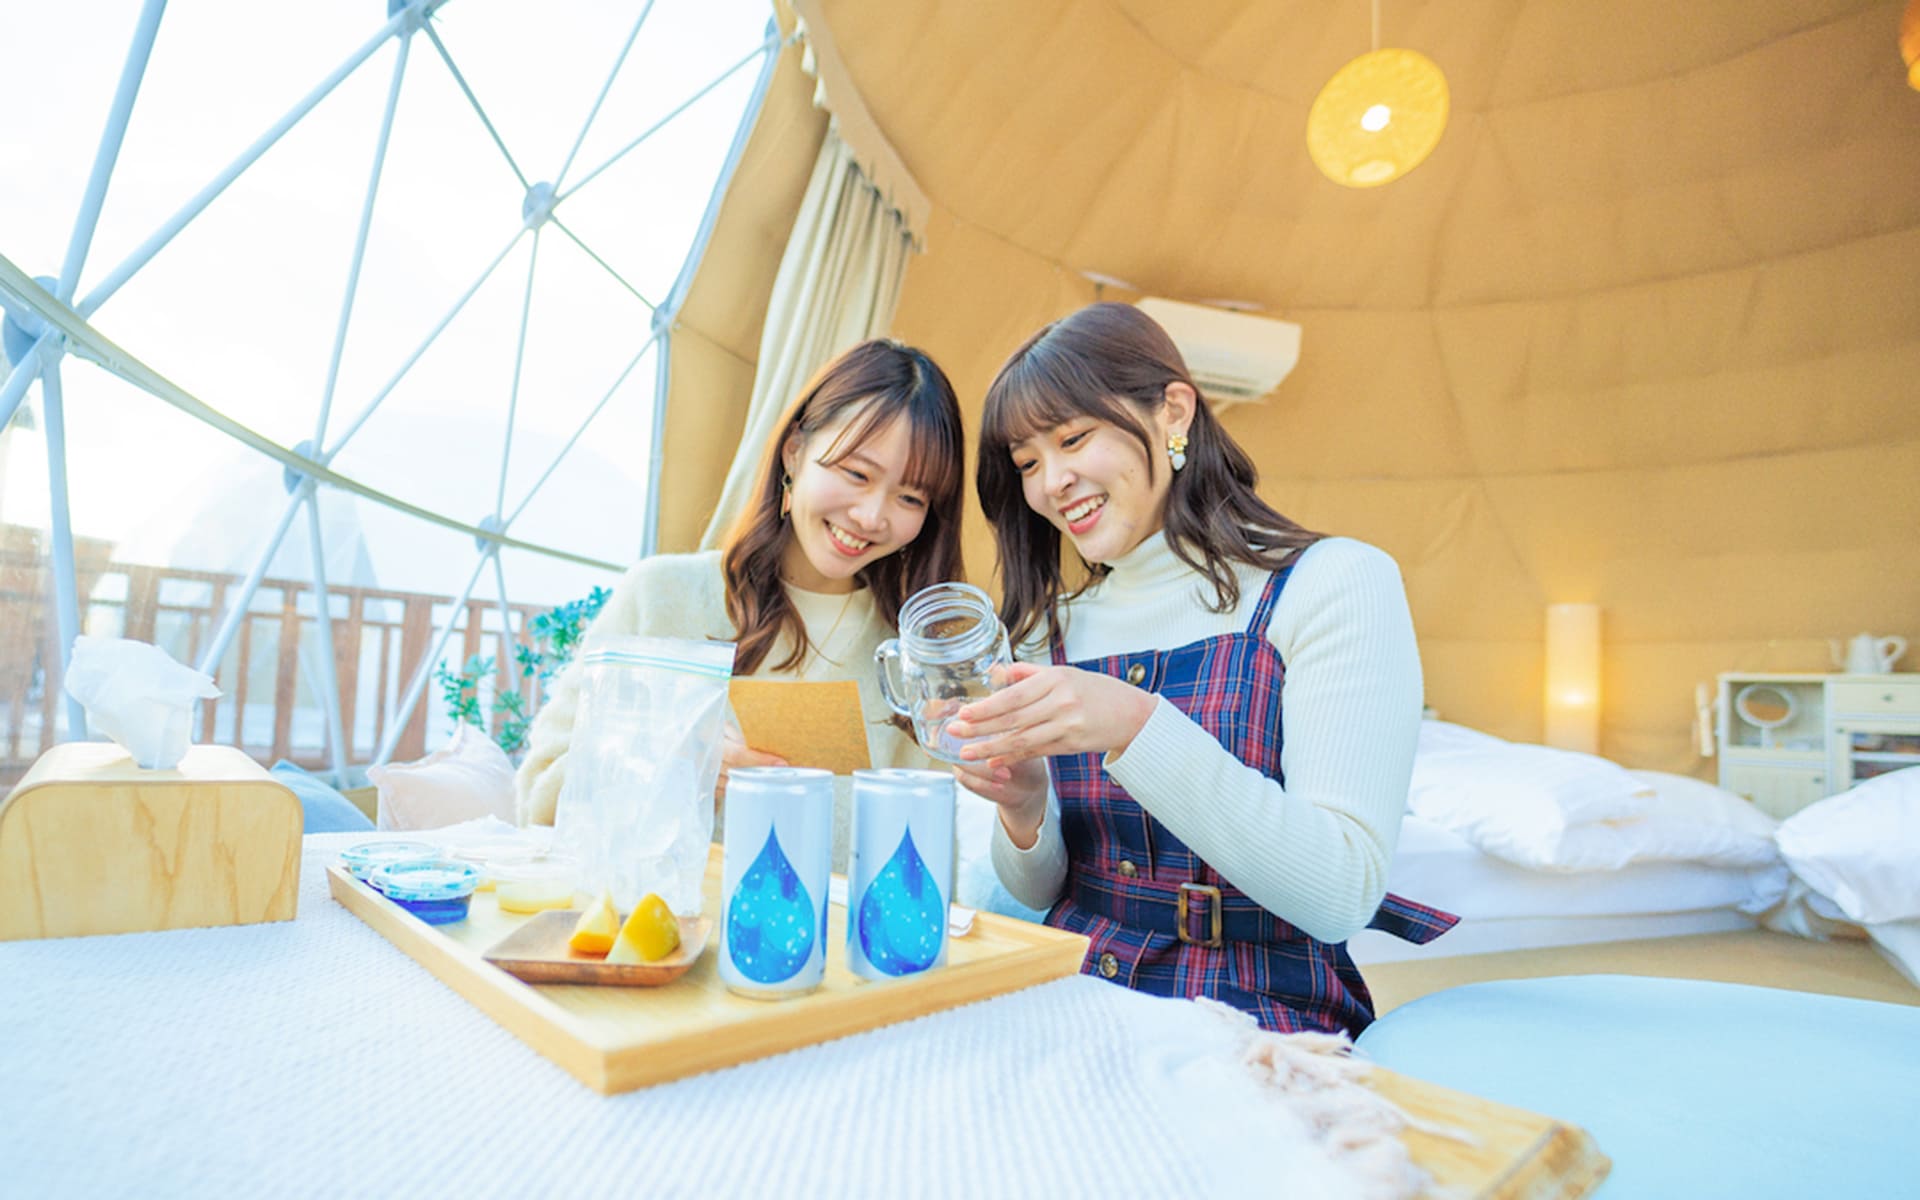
136 694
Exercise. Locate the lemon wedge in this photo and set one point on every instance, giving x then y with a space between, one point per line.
597 927
650 934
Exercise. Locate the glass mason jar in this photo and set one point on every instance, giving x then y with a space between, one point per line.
950 641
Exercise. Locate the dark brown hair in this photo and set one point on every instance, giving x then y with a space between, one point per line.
1112 362
878 382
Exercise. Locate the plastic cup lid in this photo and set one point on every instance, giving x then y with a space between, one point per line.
439 879
363 858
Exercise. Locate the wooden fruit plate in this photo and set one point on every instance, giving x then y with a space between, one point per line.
538 953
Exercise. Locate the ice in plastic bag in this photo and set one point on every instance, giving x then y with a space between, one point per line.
136 694
636 810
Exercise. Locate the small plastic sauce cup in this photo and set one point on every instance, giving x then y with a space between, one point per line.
438 891
532 884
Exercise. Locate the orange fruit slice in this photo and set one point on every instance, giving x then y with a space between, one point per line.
650 934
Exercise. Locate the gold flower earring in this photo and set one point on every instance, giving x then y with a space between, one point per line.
1177 450
786 496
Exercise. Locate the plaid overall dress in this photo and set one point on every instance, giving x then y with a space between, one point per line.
1161 920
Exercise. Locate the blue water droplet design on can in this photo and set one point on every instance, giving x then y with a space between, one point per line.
903 917
770 918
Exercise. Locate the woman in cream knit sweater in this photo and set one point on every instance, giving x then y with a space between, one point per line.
857 509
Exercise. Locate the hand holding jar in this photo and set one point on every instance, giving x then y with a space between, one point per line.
951 650
1044 711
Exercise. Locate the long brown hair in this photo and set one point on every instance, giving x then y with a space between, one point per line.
878 382
1113 363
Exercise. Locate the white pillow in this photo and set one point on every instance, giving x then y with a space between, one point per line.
1689 821
1518 802
1694 821
1861 849
1442 737
469 777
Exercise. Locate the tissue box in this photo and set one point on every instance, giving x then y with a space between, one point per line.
90 843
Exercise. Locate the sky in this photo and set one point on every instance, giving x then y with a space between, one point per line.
243 307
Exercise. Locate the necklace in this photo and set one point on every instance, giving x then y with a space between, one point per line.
818 645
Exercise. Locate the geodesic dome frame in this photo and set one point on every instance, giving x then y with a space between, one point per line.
50 319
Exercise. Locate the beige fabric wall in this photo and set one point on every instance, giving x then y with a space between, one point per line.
1642 331
717 336
968 302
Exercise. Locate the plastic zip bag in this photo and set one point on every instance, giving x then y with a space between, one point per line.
636 811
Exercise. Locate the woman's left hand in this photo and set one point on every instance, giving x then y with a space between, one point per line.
1043 711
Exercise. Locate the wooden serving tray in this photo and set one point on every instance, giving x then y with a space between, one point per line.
1510 1153
616 1039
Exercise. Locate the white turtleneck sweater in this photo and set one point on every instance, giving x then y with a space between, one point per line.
684 596
1314 852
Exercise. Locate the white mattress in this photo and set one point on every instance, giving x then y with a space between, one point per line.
1504 907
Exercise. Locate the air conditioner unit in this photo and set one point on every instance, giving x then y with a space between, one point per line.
1235 357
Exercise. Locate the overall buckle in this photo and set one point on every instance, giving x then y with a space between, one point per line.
1212 895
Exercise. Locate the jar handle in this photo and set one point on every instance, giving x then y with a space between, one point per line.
884 657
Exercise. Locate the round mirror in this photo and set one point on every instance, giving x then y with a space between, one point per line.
1765 707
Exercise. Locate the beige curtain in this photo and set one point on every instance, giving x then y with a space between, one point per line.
838 284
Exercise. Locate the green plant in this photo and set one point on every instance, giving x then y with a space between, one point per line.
548 644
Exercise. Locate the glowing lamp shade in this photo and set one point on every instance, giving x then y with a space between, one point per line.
1910 42
1378 118
1573 677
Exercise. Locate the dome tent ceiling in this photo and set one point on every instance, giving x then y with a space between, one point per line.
1071 129
1639 332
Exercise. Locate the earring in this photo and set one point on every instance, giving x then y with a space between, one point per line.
1177 450
786 496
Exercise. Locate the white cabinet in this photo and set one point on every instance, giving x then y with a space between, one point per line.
1787 740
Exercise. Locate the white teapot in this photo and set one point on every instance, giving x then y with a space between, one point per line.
1868 655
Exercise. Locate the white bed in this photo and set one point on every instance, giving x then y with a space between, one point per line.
1506 907
1532 846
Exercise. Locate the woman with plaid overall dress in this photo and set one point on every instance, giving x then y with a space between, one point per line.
1155 793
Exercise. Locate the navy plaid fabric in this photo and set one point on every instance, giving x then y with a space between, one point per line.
1125 870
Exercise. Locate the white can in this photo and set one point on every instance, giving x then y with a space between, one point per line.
776 860
900 872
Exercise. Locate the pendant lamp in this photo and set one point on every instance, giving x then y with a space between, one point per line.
1910 42
1379 116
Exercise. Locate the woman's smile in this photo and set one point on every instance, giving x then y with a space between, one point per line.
845 542
1082 515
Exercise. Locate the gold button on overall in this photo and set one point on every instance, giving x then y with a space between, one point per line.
1128 869
1109 966
1136 673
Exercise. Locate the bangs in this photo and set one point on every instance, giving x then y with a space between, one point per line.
1043 391
933 448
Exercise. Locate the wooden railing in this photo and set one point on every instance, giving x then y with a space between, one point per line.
271 706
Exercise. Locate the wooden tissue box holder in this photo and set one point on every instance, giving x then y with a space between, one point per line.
90 843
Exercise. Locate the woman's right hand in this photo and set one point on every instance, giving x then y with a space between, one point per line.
734 752
1019 789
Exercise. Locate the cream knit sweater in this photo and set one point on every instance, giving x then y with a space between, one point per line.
1314 852
684 595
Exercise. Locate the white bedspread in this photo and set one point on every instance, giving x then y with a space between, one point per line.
1506 907
313 1058
1439 867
